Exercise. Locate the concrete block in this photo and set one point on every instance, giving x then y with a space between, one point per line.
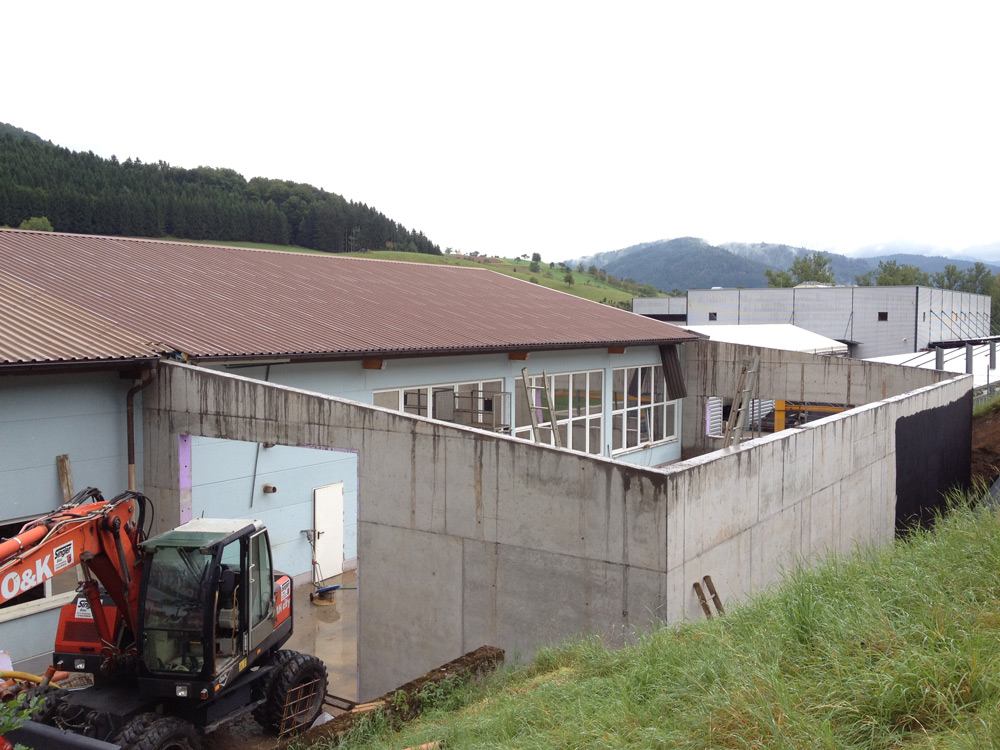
856 502
479 594
776 546
824 520
471 499
409 605
545 599
770 467
832 450
646 601
645 509
677 504
565 504
796 467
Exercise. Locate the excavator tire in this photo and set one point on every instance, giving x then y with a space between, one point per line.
292 670
129 734
168 733
50 696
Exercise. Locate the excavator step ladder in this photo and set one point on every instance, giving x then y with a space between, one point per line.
534 409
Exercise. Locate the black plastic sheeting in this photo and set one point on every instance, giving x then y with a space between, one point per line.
933 457
43 737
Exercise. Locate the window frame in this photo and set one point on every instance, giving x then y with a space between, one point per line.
420 400
644 421
587 417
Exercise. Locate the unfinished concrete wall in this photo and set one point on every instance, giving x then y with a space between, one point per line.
468 537
711 368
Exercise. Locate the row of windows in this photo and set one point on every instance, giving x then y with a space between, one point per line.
641 413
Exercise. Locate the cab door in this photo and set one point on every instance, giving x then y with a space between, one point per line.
261 589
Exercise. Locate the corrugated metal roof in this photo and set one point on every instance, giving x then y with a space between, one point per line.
218 301
38 327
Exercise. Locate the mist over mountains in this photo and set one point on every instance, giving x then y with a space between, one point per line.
691 263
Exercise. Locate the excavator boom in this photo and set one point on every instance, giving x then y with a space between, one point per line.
90 531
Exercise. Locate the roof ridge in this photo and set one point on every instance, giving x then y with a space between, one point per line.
308 252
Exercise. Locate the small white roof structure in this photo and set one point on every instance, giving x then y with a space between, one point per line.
773 336
954 361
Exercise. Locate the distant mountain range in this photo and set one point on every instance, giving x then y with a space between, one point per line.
691 263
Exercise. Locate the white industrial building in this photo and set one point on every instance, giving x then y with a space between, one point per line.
873 321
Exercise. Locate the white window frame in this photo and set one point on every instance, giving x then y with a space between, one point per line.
634 417
47 601
426 401
586 420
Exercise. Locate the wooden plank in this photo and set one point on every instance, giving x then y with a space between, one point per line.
65 476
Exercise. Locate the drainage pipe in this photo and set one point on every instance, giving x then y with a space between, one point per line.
148 376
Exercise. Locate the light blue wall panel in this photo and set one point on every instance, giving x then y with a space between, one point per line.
227 482
44 416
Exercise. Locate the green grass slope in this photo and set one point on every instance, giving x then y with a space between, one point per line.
898 648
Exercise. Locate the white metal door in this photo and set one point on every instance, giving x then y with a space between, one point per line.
328 520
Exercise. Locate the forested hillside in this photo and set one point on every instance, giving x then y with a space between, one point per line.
690 263
84 193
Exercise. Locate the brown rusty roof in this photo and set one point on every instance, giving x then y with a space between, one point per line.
38 327
218 301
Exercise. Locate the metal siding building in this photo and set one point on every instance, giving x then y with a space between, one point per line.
875 321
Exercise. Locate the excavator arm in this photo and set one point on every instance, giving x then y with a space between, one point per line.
98 534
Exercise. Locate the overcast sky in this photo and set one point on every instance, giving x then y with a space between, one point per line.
560 128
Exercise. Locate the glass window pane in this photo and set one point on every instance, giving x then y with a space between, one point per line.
658 422
415 401
579 384
561 396
617 432
578 435
647 385
618 385
522 416
595 393
386 399
595 438
658 386
671 417
444 403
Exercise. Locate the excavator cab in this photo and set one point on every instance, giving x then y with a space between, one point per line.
210 604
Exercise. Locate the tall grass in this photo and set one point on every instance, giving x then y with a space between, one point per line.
894 648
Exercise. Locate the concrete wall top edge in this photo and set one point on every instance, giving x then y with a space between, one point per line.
419 422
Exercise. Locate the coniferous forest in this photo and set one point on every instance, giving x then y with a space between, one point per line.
87 194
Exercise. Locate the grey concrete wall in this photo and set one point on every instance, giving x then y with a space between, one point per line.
467 537
711 368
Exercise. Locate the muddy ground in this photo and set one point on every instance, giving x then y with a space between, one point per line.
247 735
986 448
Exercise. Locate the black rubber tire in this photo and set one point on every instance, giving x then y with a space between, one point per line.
45 712
168 733
291 670
129 734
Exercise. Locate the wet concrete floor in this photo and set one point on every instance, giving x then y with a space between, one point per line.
327 627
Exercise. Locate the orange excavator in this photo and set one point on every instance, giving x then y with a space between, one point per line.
182 633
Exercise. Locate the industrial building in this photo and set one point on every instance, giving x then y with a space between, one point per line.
873 321
302 390
86 318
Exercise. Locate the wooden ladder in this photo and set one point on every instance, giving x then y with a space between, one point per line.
529 391
746 385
